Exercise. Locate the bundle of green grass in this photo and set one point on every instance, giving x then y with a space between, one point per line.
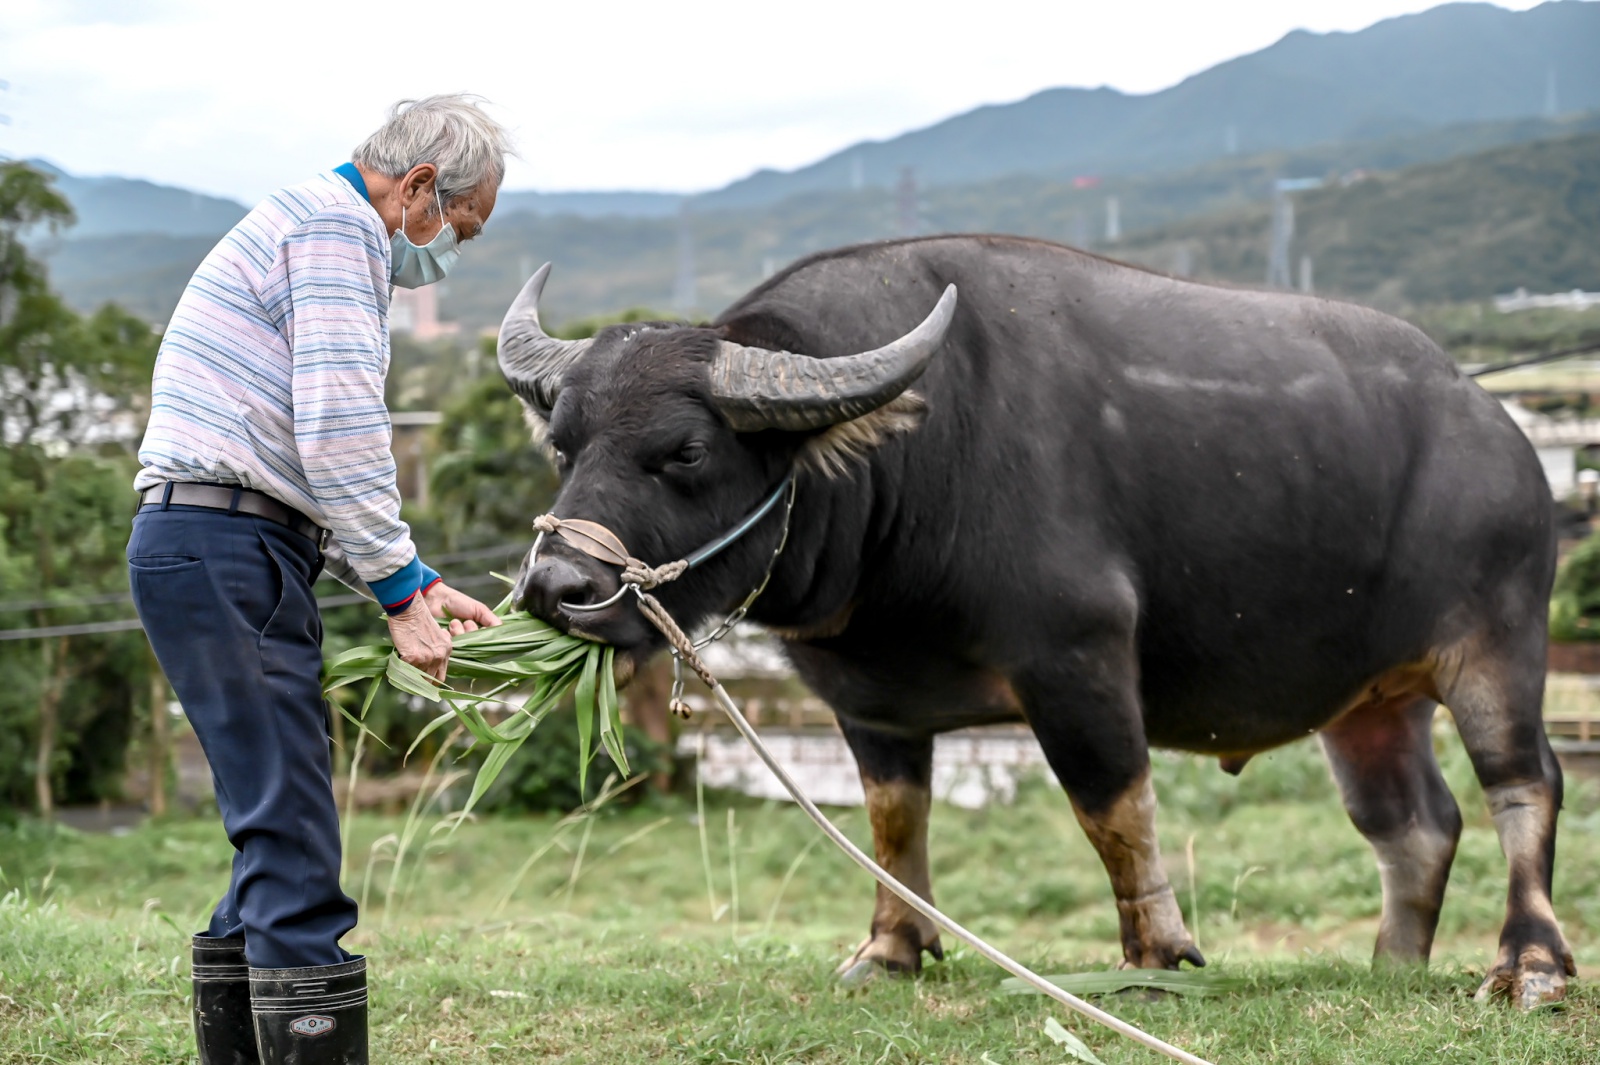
523 664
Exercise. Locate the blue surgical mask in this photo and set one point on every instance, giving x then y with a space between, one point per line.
412 266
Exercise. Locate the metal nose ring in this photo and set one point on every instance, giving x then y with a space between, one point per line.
581 608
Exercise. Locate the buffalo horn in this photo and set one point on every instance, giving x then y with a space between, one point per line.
532 361
757 388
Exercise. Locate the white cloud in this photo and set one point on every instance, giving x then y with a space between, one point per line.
241 98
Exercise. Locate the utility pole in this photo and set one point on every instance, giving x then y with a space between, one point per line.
1282 233
907 218
684 297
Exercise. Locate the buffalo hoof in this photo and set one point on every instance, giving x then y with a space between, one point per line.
887 952
1164 956
1531 983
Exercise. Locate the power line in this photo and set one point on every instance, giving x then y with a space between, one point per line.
113 598
87 628
20 605
93 628
1549 356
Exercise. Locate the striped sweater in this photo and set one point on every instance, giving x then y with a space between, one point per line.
271 373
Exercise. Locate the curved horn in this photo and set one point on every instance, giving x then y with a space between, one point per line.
532 361
755 388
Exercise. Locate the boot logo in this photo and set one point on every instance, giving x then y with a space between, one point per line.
316 1024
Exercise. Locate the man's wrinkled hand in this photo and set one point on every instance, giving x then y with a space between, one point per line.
419 640
464 613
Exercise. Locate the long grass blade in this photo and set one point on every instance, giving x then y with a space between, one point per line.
611 713
411 680
584 697
523 653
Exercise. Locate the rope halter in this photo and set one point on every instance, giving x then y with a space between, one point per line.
599 542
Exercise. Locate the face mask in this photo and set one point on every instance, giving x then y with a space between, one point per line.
413 266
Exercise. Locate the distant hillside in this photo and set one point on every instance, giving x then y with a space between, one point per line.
1525 216
591 204
1212 218
1075 213
1461 229
1458 63
1455 67
143 272
108 206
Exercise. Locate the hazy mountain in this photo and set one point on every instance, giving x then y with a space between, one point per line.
1453 65
1458 63
1526 216
1456 79
108 206
591 204
605 264
1463 229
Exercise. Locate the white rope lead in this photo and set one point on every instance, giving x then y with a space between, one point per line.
599 542
927 909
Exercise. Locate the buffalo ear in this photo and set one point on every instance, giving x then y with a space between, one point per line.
838 447
538 423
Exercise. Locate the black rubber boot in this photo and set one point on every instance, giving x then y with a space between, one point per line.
314 1016
222 1027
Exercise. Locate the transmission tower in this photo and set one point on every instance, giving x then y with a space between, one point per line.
908 219
684 297
1279 273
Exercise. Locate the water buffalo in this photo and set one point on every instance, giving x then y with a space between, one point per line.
1125 508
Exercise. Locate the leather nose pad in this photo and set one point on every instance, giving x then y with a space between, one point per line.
550 581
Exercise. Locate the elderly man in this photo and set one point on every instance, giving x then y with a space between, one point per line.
268 457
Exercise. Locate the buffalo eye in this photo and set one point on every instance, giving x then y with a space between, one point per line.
689 455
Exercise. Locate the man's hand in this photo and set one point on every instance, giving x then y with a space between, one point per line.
418 639
464 612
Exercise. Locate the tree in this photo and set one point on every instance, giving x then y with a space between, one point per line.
488 479
71 403
65 381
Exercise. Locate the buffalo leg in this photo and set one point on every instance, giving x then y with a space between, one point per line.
1087 719
1382 759
895 773
1497 703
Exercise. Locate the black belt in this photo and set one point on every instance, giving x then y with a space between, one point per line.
234 500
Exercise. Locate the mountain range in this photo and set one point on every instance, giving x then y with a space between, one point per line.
1452 64
1426 88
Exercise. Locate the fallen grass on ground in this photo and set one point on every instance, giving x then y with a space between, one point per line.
612 946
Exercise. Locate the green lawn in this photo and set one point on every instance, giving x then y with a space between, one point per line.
622 957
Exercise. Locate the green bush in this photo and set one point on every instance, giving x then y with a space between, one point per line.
1575 599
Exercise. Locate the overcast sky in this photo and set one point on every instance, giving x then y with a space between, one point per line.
240 98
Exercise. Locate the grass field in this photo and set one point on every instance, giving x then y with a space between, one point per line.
613 946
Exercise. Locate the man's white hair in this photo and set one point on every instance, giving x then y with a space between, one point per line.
452 132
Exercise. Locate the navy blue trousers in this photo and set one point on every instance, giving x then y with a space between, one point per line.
227 604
